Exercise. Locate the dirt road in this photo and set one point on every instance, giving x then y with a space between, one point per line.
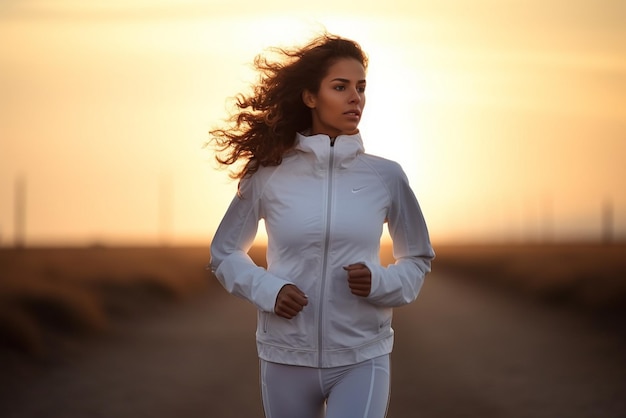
462 350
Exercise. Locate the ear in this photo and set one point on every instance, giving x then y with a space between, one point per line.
309 99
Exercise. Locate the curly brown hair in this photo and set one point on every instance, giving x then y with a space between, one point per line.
265 124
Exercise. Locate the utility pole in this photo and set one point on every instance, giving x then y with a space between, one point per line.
607 222
20 211
548 220
165 208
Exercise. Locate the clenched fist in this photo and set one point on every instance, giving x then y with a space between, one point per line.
290 301
359 279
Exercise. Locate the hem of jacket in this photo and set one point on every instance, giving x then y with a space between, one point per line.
330 358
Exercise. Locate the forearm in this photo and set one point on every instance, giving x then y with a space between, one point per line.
399 283
242 277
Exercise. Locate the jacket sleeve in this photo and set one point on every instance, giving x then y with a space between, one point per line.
230 262
400 283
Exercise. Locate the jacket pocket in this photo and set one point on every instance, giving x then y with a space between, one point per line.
265 321
385 316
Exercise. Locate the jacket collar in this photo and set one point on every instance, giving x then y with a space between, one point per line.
346 148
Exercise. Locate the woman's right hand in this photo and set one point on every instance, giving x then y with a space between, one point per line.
290 301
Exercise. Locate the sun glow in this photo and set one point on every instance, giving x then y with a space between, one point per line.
503 133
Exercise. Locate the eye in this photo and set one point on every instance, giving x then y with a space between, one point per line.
361 89
340 87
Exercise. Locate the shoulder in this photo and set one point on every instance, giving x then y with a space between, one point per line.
388 170
390 174
255 184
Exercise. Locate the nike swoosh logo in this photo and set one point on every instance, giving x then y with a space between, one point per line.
358 189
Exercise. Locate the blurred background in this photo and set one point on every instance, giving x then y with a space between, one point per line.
508 116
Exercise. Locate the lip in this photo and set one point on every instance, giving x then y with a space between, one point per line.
353 113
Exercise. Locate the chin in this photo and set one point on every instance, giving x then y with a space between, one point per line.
351 131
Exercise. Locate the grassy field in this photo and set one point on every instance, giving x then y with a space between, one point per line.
49 294
590 277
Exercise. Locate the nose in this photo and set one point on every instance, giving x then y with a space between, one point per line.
355 96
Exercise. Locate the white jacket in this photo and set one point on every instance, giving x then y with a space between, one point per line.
324 207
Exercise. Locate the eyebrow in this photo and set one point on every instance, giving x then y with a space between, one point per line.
345 80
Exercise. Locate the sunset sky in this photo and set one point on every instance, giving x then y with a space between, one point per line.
508 116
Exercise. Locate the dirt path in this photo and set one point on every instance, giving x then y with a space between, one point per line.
461 351
472 351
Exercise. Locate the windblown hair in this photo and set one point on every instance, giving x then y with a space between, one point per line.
265 124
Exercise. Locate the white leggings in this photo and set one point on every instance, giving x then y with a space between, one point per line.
355 391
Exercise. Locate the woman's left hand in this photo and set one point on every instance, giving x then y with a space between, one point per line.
359 279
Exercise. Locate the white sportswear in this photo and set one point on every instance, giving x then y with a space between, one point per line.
324 208
356 391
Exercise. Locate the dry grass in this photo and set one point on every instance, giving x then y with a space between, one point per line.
587 276
76 291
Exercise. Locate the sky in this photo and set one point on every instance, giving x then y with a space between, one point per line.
508 116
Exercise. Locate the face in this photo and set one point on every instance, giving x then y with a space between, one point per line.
337 106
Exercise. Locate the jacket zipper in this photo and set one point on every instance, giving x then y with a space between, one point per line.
320 329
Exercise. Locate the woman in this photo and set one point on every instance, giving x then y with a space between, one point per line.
324 302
